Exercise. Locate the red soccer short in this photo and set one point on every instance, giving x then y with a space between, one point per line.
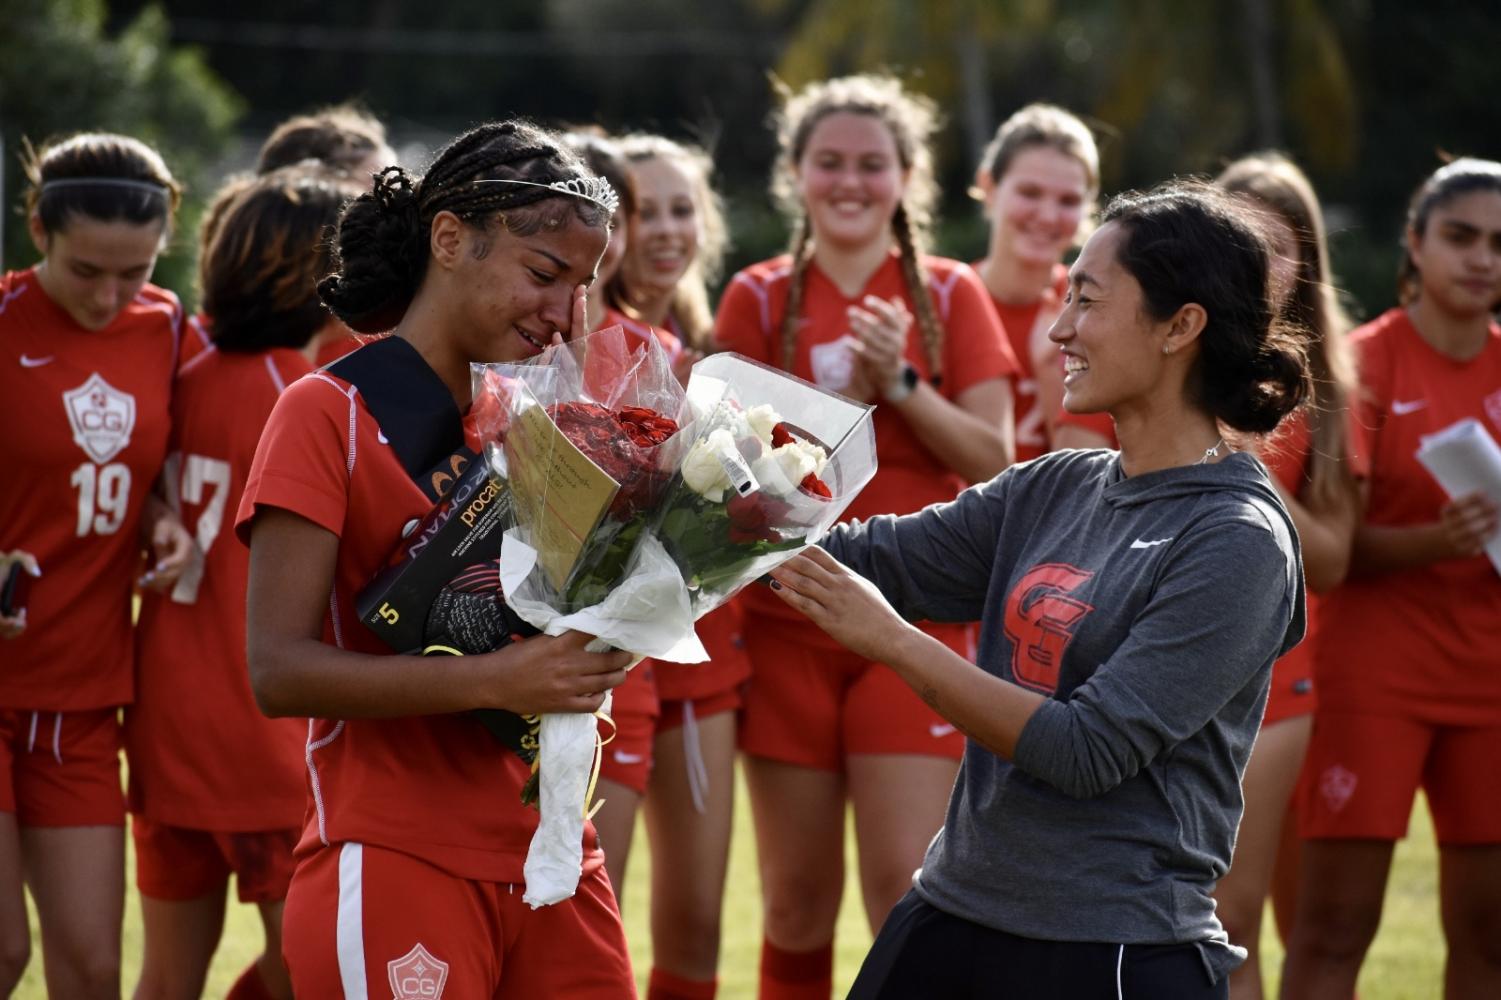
1362 772
176 864
813 705
626 759
365 921
1291 693
61 768
674 712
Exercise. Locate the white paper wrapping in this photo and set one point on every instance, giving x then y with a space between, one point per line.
648 614
1464 458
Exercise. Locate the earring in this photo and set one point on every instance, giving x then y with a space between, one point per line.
1166 349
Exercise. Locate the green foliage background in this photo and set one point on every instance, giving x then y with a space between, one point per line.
1364 93
61 72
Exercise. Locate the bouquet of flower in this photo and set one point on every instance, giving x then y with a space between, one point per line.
630 526
774 461
587 437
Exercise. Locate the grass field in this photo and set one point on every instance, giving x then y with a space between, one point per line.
1405 963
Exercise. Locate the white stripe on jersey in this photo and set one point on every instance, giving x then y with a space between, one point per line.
312 770
6 301
350 935
209 350
276 379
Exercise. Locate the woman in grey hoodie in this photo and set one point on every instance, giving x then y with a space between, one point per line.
1132 605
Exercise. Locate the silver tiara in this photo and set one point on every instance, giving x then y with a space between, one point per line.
126 182
595 189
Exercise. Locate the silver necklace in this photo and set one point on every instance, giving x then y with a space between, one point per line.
1211 452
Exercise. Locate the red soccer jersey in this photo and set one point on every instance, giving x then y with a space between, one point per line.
670 342
1020 323
195 339
85 418
439 788
332 350
1421 642
201 754
910 477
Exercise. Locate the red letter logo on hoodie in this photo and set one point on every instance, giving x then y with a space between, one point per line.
1040 622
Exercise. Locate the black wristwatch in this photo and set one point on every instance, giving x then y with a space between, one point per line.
902 386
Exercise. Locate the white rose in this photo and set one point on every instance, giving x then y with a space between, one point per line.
785 468
762 420
702 469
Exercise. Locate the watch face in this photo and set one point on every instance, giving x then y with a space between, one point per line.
910 377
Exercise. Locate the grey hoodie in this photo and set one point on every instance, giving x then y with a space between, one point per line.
1150 610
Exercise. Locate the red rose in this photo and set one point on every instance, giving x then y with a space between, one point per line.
619 443
752 517
812 484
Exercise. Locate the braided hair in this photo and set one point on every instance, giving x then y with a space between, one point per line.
912 120
381 250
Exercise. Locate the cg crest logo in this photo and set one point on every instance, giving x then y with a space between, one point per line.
1040 622
102 418
417 975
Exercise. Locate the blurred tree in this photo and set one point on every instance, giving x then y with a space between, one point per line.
60 72
945 44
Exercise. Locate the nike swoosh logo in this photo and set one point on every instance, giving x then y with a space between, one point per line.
1139 544
1401 408
35 362
382 438
621 757
939 730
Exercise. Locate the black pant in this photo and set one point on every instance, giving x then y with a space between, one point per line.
923 953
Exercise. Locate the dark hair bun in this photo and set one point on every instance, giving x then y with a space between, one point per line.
381 252
1254 395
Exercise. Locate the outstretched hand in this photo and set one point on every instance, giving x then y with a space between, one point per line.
841 602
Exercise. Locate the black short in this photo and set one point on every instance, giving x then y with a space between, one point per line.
924 953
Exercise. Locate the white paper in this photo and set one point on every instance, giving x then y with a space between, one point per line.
1464 458
649 614
554 861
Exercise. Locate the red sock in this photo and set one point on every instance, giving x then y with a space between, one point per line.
250 986
666 986
796 975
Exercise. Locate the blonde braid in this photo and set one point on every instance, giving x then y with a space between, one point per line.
916 277
801 255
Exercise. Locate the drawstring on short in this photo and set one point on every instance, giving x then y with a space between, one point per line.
57 735
693 755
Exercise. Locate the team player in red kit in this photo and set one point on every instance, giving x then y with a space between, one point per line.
1315 465
824 727
676 246
1409 691
409 872
625 761
1038 180
87 351
345 139
215 787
